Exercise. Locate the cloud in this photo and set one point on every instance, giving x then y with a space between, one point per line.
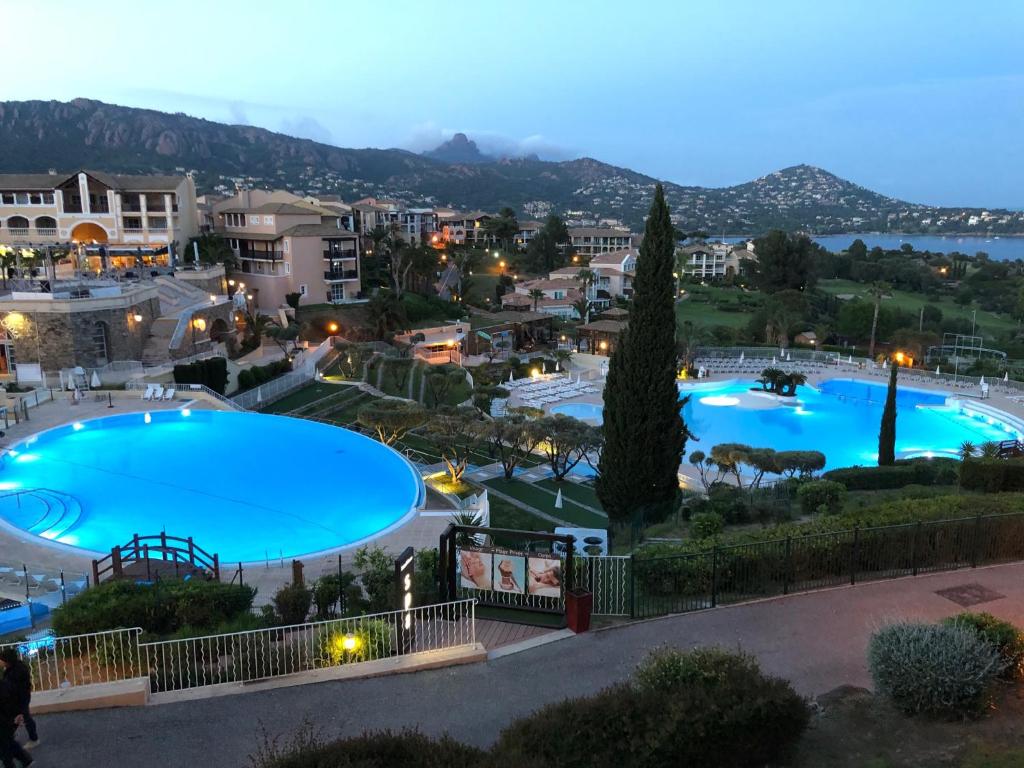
306 127
428 135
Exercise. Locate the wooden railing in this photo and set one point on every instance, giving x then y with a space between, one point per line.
147 549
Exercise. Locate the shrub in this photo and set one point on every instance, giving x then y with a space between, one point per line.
728 501
821 495
992 475
334 589
292 603
703 525
904 472
159 609
1002 635
699 708
934 669
373 640
383 749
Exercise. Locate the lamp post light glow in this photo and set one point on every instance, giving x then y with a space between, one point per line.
332 328
137 317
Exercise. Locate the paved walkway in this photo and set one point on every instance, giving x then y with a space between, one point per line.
816 640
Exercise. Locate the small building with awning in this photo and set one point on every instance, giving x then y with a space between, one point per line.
600 337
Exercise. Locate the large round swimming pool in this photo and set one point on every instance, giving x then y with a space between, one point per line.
840 418
246 486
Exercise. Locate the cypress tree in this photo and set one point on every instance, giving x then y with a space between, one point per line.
643 428
887 433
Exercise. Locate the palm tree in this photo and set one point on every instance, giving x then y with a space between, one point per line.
789 382
582 305
967 450
989 450
386 313
586 278
877 290
770 378
688 338
536 294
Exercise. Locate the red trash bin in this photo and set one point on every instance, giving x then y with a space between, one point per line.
578 605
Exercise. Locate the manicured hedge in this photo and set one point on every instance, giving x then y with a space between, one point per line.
992 475
905 472
259 374
211 372
161 608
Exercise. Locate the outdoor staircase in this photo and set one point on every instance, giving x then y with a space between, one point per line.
176 298
41 511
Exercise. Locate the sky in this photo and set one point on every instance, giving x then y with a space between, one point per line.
923 101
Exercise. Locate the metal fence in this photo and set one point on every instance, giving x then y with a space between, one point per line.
243 657
608 578
678 583
101 657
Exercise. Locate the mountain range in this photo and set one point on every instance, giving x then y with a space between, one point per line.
38 135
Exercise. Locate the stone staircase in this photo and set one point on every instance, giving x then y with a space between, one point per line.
176 297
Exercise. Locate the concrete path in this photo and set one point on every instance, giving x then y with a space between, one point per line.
817 640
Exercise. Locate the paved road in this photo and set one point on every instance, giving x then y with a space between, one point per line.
816 640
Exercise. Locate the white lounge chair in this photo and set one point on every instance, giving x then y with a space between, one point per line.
158 392
148 394
169 393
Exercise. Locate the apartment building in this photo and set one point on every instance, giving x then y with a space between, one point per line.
285 244
527 231
587 242
559 296
713 261
463 228
106 220
419 225
614 271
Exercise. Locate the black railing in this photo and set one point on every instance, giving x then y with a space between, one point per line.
329 254
678 583
341 274
262 255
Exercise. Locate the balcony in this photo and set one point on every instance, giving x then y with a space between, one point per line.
18 231
341 274
46 231
262 255
349 254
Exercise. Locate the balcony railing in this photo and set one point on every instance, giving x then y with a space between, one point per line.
46 231
133 230
341 274
262 255
351 254
18 231
135 207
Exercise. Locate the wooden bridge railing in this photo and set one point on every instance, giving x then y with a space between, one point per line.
158 547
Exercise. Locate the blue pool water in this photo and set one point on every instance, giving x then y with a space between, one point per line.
245 486
841 419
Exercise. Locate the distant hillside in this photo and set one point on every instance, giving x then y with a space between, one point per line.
37 135
458 149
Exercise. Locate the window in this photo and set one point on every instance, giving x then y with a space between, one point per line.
7 198
268 219
287 268
303 289
233 242
254 220
337 292
286 241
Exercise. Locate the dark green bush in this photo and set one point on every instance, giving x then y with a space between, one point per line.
704 525
705 707
821 495
904 472
384 749
159 609
292 603
211 372
729 502
945 670
992 475
333 590
260 374
1002 635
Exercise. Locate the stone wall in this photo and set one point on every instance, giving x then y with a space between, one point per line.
58 340
209 280
208 315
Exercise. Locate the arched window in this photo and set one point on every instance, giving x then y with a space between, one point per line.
46 225
17 222
100 342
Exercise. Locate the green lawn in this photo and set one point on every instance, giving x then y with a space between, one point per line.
308 394
507 515
696 310
988 322
545 502
582 494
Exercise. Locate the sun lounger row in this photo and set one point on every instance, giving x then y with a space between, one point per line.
157 392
